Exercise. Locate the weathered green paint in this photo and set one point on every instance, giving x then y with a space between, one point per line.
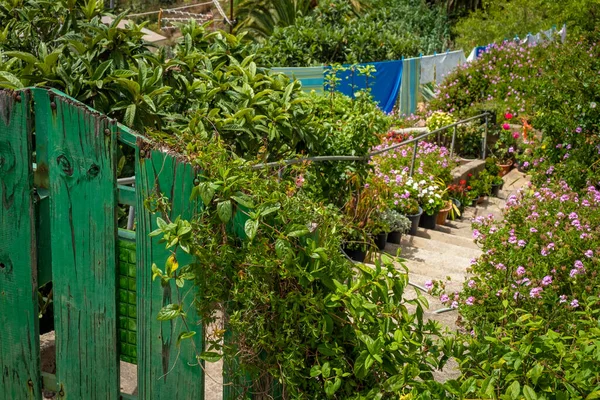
164 371
50 384
127 195
42 233
82 185
19 333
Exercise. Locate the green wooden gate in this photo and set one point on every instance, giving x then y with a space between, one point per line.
58 202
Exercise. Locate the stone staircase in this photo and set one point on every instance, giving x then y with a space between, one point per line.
447 251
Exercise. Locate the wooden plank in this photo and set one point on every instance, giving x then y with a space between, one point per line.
164 371
19 333
126 195
82 186
50 384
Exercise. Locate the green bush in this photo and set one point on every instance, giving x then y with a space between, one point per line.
552 86
499 20
333 34
532 301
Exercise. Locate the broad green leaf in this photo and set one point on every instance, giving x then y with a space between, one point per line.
170 312
251 227
224 210
210 356
529 393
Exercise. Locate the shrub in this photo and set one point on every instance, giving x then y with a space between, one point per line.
332 34
549 86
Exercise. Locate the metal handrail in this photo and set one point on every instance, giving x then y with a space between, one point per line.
374 153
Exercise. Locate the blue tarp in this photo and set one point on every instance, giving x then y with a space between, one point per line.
384 85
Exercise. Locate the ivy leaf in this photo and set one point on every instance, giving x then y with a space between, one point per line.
251 227
224 210
184 336
169 312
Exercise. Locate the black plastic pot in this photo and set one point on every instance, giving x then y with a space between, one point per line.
355 254
414 219
380 240
394 237
428 221
496 189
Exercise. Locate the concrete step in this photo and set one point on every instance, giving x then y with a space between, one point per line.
448 236
438 263
459 229
442 242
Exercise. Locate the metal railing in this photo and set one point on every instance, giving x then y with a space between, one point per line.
414 140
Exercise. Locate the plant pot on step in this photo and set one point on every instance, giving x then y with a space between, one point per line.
505 168
380 240
394 237
428 221
443 214
414 220
452 215
496 189
356 254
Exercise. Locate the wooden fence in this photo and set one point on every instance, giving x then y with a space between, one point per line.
58 222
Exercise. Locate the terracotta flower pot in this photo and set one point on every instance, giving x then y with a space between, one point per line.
443 214
505 168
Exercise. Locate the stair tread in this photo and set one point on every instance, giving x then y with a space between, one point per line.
448 261
439 241
447 234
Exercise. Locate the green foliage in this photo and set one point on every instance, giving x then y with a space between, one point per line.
553 87
343 126
532 300
294 305
499 20
332 33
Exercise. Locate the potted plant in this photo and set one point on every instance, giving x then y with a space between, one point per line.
431 203
355 244
461 196
445 211
413 212
398 224
497 184
505 148
378 227
482 186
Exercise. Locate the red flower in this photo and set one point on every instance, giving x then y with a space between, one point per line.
505 127
508 116
463 182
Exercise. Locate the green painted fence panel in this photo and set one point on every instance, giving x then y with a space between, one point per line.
82 187
19 333
165 372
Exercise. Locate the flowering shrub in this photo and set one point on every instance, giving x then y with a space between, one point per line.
531 305
543 256
432 163
552 85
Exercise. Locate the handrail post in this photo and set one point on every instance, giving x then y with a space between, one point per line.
485 134
414 158
453 139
